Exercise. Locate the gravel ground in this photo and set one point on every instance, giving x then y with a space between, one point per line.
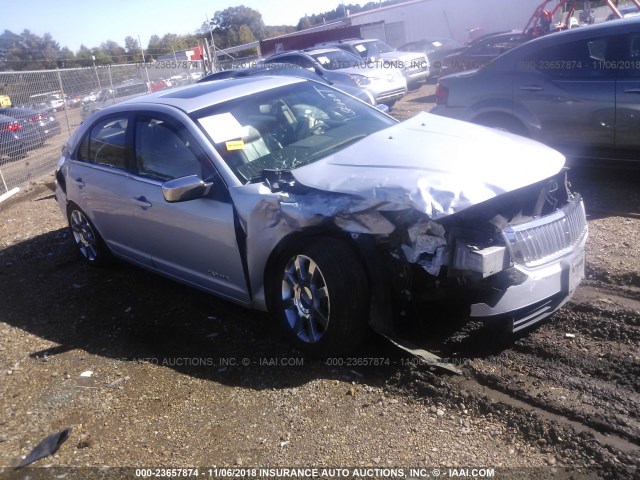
183 379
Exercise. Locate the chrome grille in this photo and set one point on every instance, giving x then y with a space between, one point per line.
548 238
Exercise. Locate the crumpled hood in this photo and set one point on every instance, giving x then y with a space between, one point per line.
437 165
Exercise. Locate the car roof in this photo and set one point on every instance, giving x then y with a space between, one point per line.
199 95
319 51
359 40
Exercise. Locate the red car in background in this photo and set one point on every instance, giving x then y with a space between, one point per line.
158 85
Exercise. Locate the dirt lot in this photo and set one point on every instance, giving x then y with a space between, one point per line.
182 379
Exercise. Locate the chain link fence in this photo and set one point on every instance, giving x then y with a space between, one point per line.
39 110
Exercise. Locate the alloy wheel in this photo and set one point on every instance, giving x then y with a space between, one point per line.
305 298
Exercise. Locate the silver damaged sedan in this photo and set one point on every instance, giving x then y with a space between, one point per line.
287 195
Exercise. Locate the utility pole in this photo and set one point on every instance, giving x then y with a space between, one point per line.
212 56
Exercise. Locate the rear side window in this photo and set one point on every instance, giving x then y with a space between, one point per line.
584 59
631 66
106 144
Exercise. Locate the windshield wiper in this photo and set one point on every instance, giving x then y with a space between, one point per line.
337 146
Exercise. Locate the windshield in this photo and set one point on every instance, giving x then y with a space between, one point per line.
382 47
337 59
286 127
441 44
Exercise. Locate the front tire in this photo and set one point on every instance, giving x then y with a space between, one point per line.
90 244
320 296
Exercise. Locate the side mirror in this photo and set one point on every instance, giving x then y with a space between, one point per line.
185 188
318 70
382 107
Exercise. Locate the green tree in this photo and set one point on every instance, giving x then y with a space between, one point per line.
132 48
228 22
114 51
28 51
66 58
153 47
245 35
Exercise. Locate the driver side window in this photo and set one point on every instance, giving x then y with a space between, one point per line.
163 153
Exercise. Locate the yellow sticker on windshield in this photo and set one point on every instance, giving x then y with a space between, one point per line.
235 145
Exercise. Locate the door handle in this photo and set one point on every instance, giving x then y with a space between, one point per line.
79 182
142 201
531 88
632 90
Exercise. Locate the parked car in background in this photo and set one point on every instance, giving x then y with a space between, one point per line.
291 70
387 85
73 102
286 195
111 96
53 100
156 85
90 97
481 51
17 137
577 90
46 121
435 49
414 65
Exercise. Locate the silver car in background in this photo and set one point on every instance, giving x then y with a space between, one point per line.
111 96
415 66
386 84
287 195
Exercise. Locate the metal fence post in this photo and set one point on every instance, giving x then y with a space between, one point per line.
64 99
111 82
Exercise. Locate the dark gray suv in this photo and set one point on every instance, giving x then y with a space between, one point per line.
578 91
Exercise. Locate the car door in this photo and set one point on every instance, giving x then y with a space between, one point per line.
569 95
628 100
99 182
193 241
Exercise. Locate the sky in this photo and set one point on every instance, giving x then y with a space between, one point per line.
91 22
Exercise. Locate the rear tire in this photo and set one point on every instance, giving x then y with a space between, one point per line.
320 296
88 241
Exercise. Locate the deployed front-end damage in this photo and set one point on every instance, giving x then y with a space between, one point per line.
517 257
512 247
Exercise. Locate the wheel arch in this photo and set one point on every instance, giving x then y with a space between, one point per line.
495 118
506 110
363 248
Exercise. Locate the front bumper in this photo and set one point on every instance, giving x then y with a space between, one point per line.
415 76
547 285
385 91
544 291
